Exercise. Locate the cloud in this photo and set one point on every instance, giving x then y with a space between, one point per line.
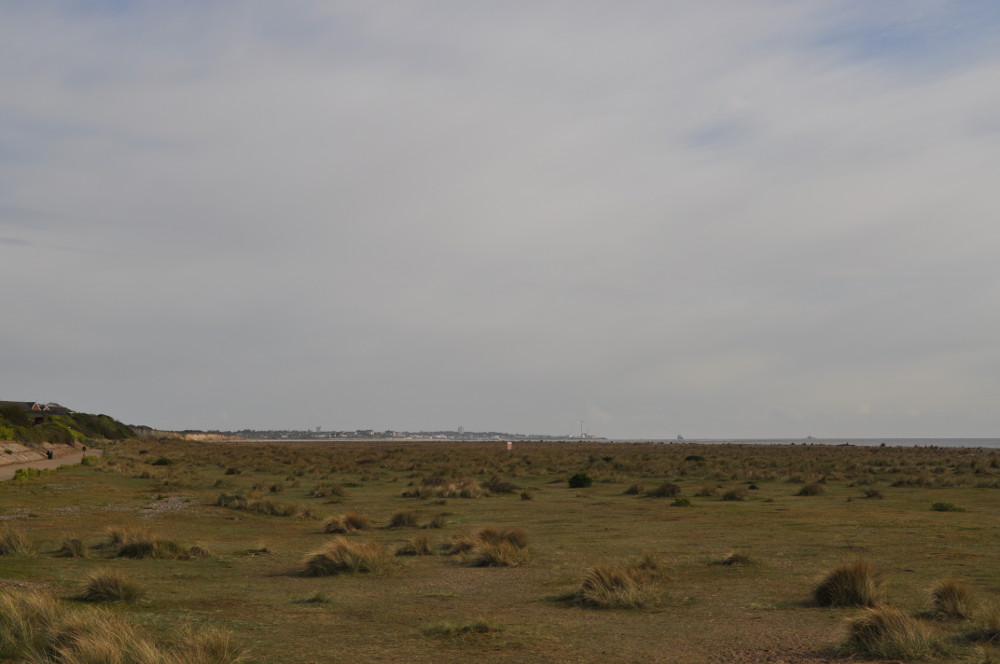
720 219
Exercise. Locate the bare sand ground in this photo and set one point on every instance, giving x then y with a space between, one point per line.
7 472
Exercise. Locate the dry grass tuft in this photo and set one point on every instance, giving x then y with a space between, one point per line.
736 559
856 584
341 556
403 519
37 628
110 586
460 629
988 626
72 547
628 585
347 523
499 548
951 599
418 546
888 633
15 543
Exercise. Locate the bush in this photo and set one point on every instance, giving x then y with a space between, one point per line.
341 556
580 481
888 633
109 586
856 584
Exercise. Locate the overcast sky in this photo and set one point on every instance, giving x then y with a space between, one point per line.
732 218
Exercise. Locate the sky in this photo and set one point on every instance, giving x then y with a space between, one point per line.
725 218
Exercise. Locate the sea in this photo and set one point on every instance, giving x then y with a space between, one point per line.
993 443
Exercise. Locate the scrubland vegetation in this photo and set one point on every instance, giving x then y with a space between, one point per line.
176 552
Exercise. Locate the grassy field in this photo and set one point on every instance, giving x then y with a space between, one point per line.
376 552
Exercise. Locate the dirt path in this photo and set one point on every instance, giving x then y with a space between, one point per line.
7 472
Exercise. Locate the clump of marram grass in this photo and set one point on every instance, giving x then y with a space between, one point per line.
629 585
466 628
109 586
736 559
856 584
811 489
951 600
492 548
665 490
988 625
417 546
888 633
342 556
35 627
403 519
347 523
15 543
72 547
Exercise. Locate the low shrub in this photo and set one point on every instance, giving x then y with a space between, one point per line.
109 586
951 600
888 633
342 556
580 481
946 507
855 584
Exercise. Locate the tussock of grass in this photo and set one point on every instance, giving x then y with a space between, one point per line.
403 519
491 547
629 585
418 546
811 489
665 490
951 600
156 548
15 543
347 523
438 486
739 493
110 586
72 547
461 629
736 559
341 556
856 584
37 628
988 626
888 633
259 505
